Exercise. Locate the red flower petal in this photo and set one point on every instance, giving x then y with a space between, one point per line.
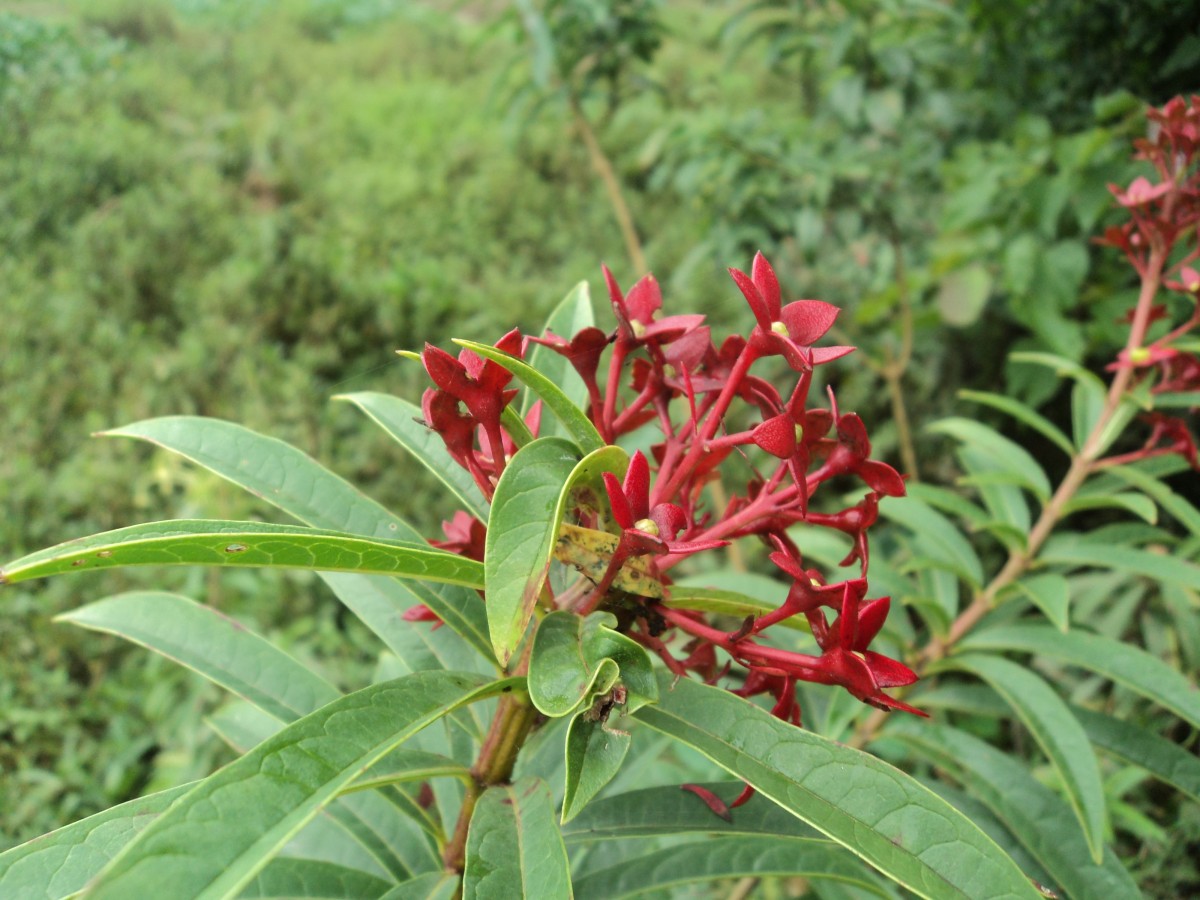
768 285
637 486
758 306
808 320
616 498
777 436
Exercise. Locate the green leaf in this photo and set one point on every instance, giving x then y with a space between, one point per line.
572 315
578 426
1022 413
61 863
1177 400
894 823
212 841
595 752
1125 664
935 537
287 879
1051 594
214 645
1078 550
1057 732
1162 758
514 846
204 542
727 857
730 603
1177 506
302 487
409 765
430 886
1034 814
576 658
405 423
662 811
1138 504
1087 405
273 470
1004 455
526 510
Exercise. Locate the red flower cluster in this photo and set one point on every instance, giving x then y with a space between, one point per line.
1161 242
709 409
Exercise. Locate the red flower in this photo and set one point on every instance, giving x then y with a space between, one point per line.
637 313
850 456
648 530
788 331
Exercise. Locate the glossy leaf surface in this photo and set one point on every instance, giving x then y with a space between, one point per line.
206 542
728 857
522 531
896 824
1123 663
514 846
1057 732
595 751
221 834
1034 814
575 658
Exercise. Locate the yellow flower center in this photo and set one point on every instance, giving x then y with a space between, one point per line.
646 526
780 329
1139 355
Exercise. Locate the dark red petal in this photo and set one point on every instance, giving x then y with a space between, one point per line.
852 434
670 520
808 320
644 300
871 617
887 671
829 354
758 306
617 500
777 436
637 486
768 285
881 477
446 371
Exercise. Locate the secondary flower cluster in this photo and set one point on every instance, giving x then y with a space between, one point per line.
1162 243
714 418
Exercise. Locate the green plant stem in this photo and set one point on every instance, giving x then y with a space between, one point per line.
511 725
612 185
1082 465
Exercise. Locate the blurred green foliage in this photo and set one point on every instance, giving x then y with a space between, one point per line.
237 209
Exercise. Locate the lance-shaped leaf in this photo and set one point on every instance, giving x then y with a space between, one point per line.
729 857
218 647
1077 550
214 840
576 658
578 426
273 470
1033 813
514 846
300 486
1003 454
595 751
526 510
206 542
889 819
1057 732
1051 594
1125 664
405 423
61 863
572 315
1164 759
1022 413
659 811
935 537
290 879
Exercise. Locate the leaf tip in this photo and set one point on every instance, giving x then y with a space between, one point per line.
409 354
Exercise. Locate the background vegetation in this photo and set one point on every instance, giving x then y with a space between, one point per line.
239 209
